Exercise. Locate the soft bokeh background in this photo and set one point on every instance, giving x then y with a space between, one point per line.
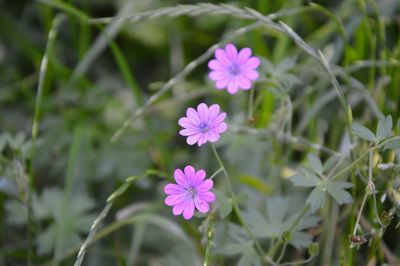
98 75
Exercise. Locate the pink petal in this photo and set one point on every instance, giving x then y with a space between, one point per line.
217 75
199 177
244 83
250 74
173 189
222 57
180 178
220 118
175 199
244 54
202 140
188 132
205 186
221 128
189 210
231 52
213 111
221 84
186 123
192 115
193 139
252 62
212 136
233 86
216 65
178 208
201 205
190 174
202 110
206 196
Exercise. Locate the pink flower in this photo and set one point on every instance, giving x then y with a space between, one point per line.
190 191
203 125
233 70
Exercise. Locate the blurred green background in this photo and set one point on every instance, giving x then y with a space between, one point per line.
99 74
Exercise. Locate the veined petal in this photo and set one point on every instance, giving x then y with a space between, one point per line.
252 62
205 186
233 86
216 65
202 140
221 56
178 208
199 177
212 136
207 196
193 139
213 112
180 178
244 83
250 74
220 118
170 189
192 115
231 52
221 84
220 128
186 123
217 75
201 205
202 110
190 174
174 199
188 132
189 209
243 55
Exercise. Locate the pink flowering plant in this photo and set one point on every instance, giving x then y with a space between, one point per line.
233 70
191 191
227 137
203 124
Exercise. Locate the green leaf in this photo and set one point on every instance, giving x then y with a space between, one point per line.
278 219
328 165
240 198
248 258
392 144
315 164
225 209
384 128
316 199
337 190
306 179
235 248
363 132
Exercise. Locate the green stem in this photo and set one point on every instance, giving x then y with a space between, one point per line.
210 234
239 215
359 159
35 127
295 223
251 102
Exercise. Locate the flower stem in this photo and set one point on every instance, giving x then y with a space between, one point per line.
210 233
239 214
369 189
251 102
295 223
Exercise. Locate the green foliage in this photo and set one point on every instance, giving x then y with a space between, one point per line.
102 101
277 219
67 217
321 184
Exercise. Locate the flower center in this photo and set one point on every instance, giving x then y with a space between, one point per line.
203 127
234 69
191 192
